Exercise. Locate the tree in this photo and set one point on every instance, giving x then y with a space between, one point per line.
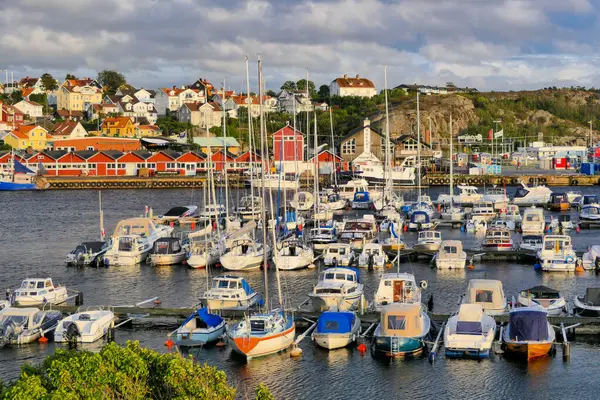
16 96
301 85
48 82
271 93
289 85
69 76
323 93
111 80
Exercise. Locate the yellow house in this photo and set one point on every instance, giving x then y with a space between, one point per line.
118 126
27 136
147 130
73 94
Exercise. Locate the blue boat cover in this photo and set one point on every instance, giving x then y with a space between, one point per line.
468 328
362 196
335 322
419 216
528 325
211 320
246 287
21 169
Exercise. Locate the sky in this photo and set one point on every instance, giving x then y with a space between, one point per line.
487 44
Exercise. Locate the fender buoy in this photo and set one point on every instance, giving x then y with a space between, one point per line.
424 285
569 259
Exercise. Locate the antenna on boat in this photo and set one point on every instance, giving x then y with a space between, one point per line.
387 171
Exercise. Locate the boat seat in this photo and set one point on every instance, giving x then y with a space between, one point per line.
468 328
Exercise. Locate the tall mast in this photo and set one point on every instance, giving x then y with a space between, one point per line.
225 155
211 179
307 118
451 172
250 136
388 157
315 168
418 145
262 177
102 234
333 148
295 140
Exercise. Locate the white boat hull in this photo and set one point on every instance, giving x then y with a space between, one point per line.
89 331
241 263
451 263
58 296
166 259
253 347
288 263
321 302
332 341
202 260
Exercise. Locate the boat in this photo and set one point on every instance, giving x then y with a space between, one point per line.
420 220
549 299
85 326
275 181
497 196
213 212
230 292
200 328
393 244
497 239
528 334
339 254
467 195
167 251
302 201
335 202
250 208
203 251
591 258
87 254
322 237
396 287
347 190
372 256
483 210
4 304
574 196
488 294
178 214
530 196
39 291
453 214
15 177
26 325
338 288
244 254
336 329
585 200
373 172
292 254
512 213
503 223
558 202
357 232
590 213
132 240
469 333
451 255
557 254
533 221
589 304
402 331
362 201
531 243
428 241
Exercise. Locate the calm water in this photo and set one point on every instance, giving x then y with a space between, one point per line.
39 229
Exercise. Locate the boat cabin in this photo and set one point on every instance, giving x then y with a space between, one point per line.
559 202
590 212
340 274
420 217
144 227
557 243
229 282
397 288
335 322
373 249
484 208
338 249
488 293
497 234
168 245
130 243
429 236
450 249
589 199
401 320
28 318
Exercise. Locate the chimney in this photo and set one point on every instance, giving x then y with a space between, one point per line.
345 76
357 76
174 87
366 122
183 86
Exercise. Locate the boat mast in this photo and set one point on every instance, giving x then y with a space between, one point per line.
388 157
316 169
418 146
262 177
295 142
307 118
451 173
211 179
333 148
225 155
102 233
250 137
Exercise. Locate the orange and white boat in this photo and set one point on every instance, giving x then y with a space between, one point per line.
262 334
528 333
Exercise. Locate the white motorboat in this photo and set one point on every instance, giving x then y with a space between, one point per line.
87 254
453 214
292 254
167 251
591 258
573 195
39 291
372 256
403 331
451 255
336 329
339 254
357 232
302 201
276 181
557 254
469 333
213 212
563 223
362 201
512 213
335 201
531 243
589 304
549 299
262 334
498 239
533 221
585 200
132 240
347 190
590 213
484 210
488 293
428 241
85 326
323 213
529 196
338 289
373 172
230 293
25 325
244 254
476 224
528 333
322 237
467 195
397 287
200 328
178 214
420 220
203 252
250 208
503 223
497 196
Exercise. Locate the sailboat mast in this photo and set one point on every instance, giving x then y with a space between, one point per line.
225 154
307 118
418 146
250 135
295 141
262 177
102 233
316 169
333 148
451 171
211 179
388 157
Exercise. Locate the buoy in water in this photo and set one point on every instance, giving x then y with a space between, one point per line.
296 352
43 339
471 266
579 268
362 348
311 266
157 301
220 343
388 265
577 229
537 266
169 343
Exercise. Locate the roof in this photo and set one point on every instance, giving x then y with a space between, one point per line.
360 129
27 81
357 82
407 322
23 131
64 128
476 286
214 141
28 91
116 122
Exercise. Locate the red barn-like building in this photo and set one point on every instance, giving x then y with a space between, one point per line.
288 145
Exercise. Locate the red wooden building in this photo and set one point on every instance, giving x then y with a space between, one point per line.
288 145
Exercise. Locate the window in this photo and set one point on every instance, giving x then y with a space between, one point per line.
171 165
349 147
483 296
410 145
180 165
121 166
92 166
139 165
397 322
152 165
113 166
90 148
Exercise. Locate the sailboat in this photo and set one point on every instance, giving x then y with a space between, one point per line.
274 330
18 177
452 214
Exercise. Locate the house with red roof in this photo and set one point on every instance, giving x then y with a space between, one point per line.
346 86
30 108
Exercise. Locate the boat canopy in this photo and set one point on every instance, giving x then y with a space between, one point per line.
486 292
541 289
211 320
178 211
246 286
592 296
528 324
341 269
594 252
135 226
95 247
362 197
168 245
419 217
469 319
400 319
335 322
451 248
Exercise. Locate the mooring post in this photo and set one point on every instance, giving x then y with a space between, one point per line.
566 344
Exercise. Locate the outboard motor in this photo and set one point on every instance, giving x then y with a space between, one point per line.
371 262
597 264
72 333
8 332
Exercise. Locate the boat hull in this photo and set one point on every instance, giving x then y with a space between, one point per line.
60 296
402 347
528 350
198 337
198 261
241 263
322 303
231 304
166 259
456 263
253 347
13 187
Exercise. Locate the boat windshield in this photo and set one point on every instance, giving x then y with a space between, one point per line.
532 218
257 325
592 210
420 217
17 319
450 250
556 245
396 322
521 193
126 243
221 284
592 199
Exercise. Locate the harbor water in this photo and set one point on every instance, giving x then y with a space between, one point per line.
38 229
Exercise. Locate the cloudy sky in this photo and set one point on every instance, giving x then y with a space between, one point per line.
488 44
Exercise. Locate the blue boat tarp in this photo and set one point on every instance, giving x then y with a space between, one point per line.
362 197
21 169
335 322
290 216
246 287
211 320
468 328
419 217
355 270
528 325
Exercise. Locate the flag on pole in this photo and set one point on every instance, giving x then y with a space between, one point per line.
490 134
499 134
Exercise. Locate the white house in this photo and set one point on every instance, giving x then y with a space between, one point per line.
204 115
138 109
289 101
31 108
172 99
361 87
68 130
